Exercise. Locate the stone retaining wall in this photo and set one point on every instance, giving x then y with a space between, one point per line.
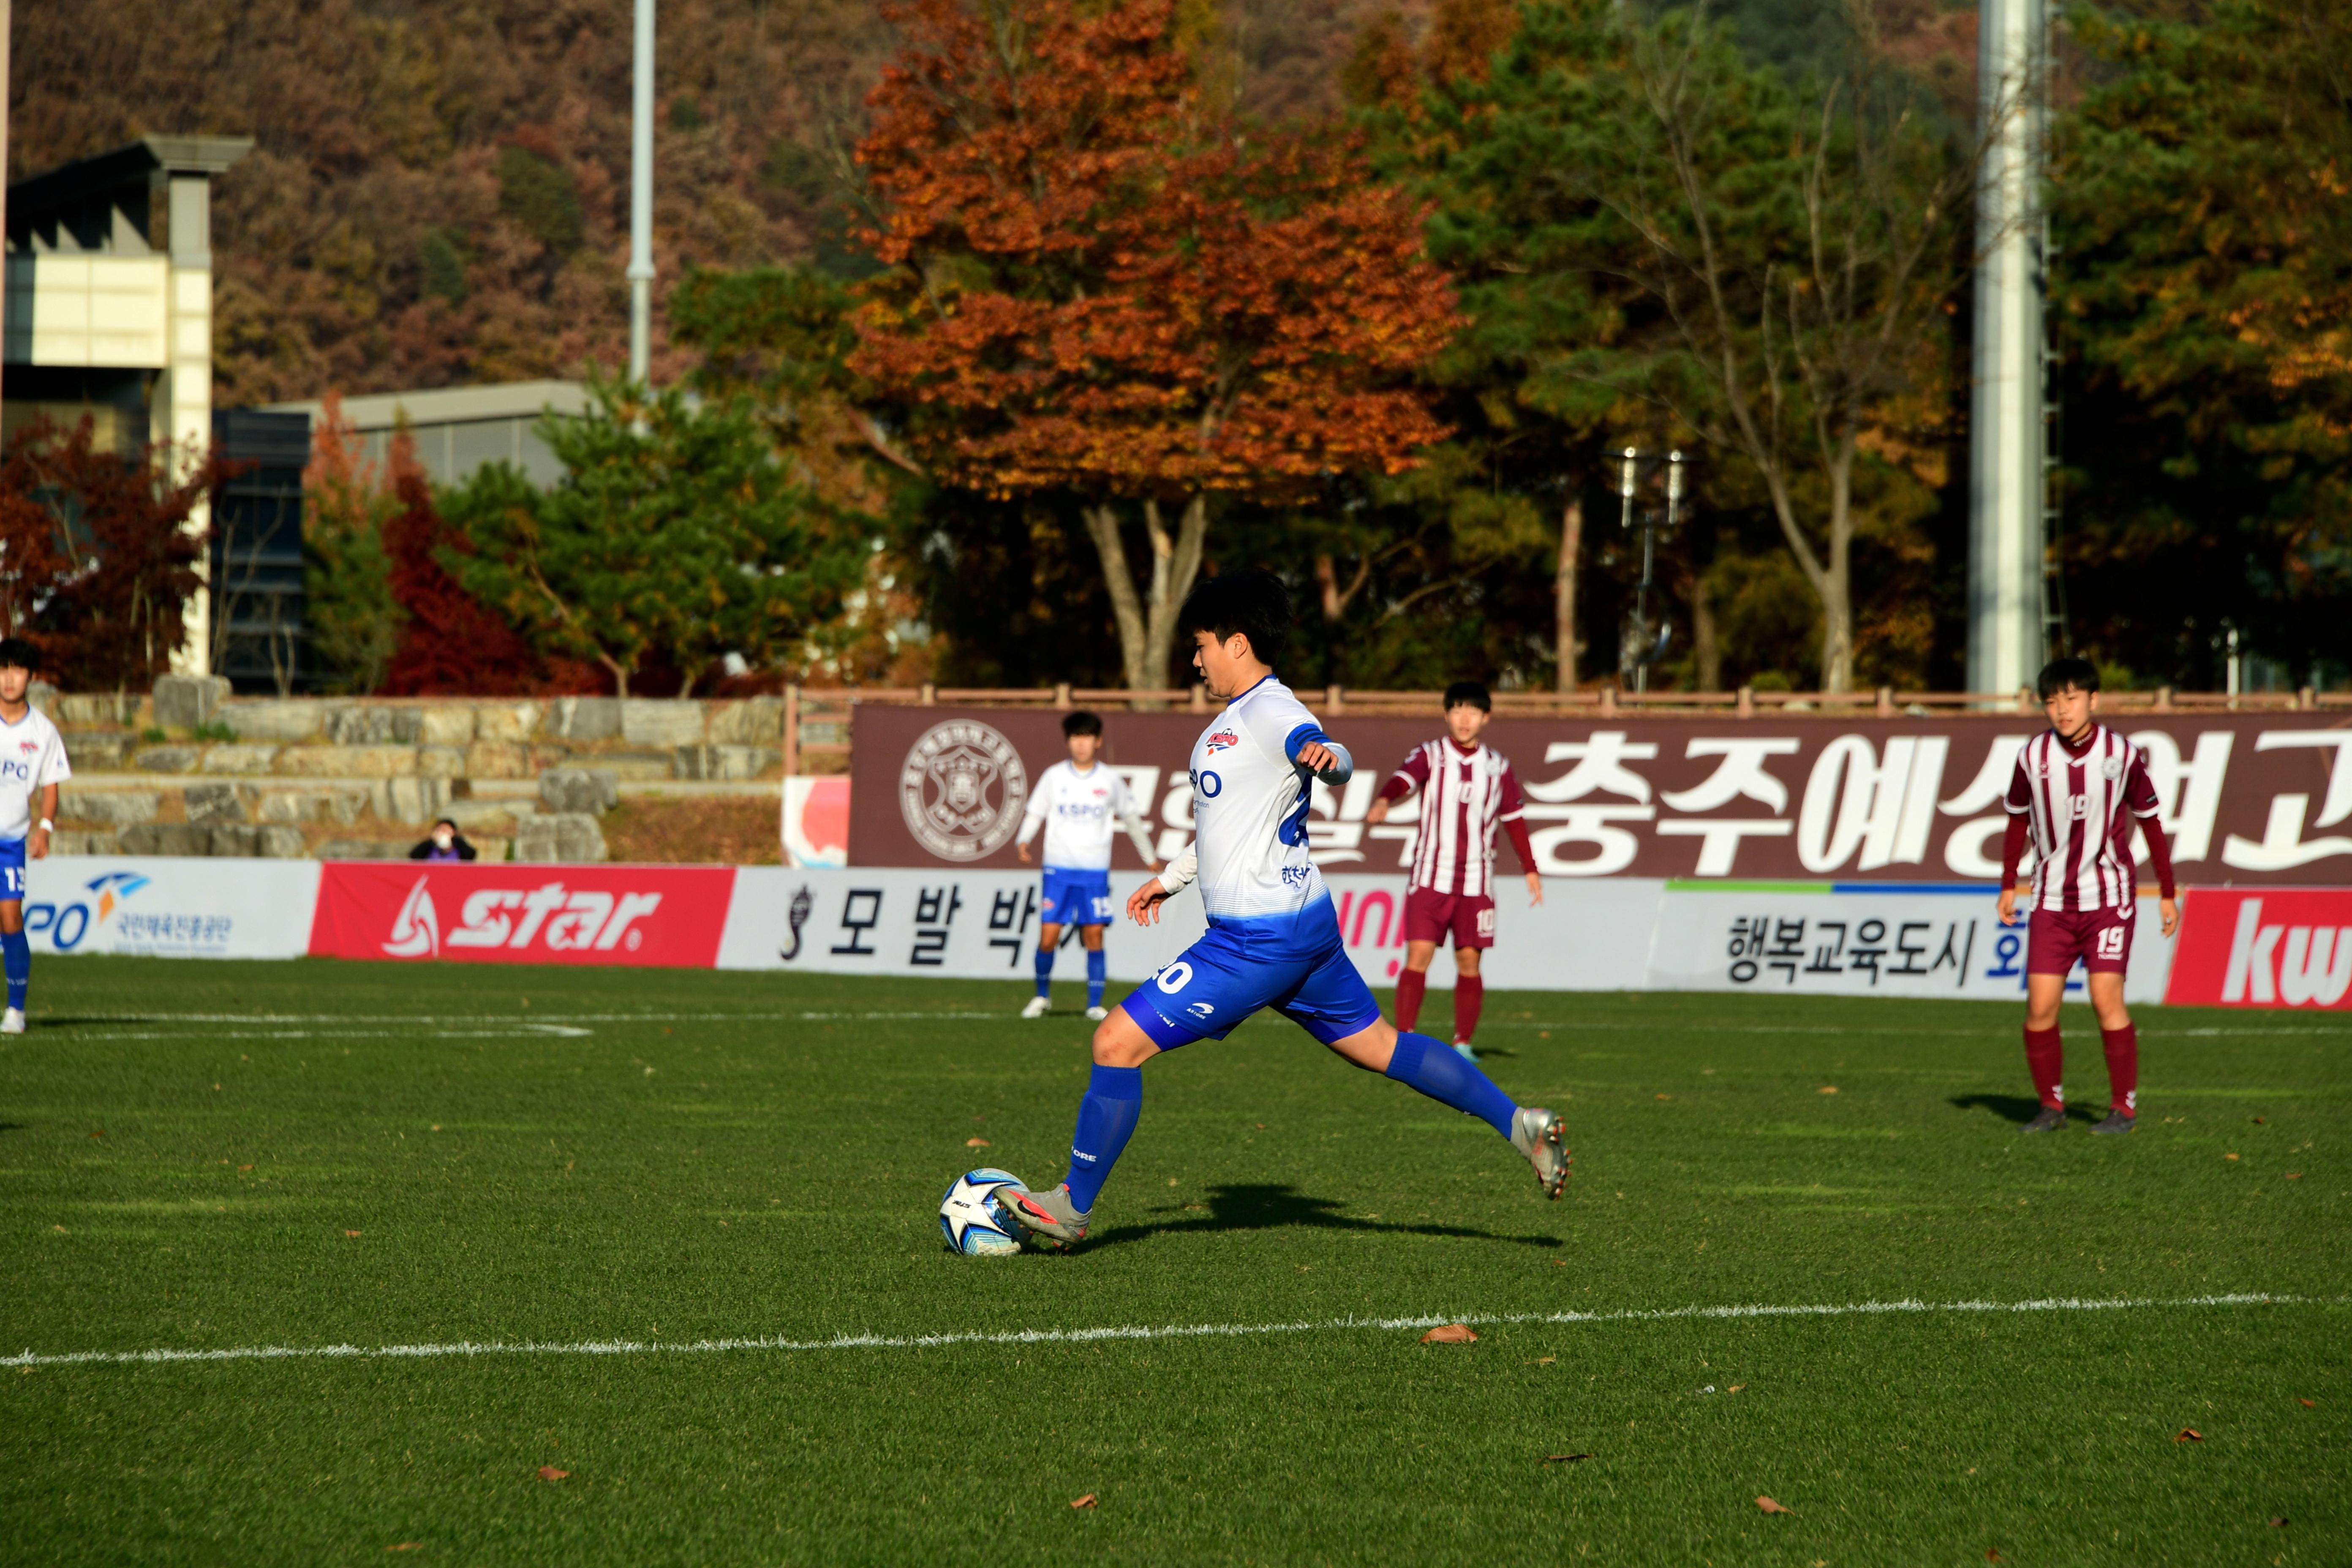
189 770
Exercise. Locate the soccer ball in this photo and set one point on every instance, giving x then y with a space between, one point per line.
970 1218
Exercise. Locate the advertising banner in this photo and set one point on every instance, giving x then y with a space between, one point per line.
667 916
2275 947
1864 939
2248 798
170 907
982 924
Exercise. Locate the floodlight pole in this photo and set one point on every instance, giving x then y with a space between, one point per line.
1628 481
641 197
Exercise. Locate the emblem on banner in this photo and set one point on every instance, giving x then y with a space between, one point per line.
416 930
961 789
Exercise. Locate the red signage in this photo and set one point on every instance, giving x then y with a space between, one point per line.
2247 797
669 916
2264 947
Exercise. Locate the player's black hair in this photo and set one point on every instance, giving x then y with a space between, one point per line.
1251 603
19 653
2060 673
1081 723
1469 694
452 826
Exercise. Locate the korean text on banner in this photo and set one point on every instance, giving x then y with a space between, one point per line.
162 907
667 916
2269 947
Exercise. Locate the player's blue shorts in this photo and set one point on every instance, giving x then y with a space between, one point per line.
11 869
1076 897
1300 969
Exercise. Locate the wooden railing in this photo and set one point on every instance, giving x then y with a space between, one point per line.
827 708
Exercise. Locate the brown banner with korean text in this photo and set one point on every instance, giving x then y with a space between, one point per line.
2248 798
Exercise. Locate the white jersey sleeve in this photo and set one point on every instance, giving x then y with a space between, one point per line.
1041 801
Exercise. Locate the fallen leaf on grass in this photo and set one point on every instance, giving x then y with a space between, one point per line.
62 1231
2229 1156
2277 1520
1992 1555
1450 1334
549 1473
2258 1122
1826 1089
2295 1175
101 1131
405 1546
351 1233
1768 1505
1086 1501
975 1143
2308 1405
2189 1435
1565 1458
1665 1096
1735 1388
1546 1360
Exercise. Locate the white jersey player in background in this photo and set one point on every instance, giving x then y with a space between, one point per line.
1273 940
1075 803
32 761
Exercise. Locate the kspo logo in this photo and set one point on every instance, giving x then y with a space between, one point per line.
585 919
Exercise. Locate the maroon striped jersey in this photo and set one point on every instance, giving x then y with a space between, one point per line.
1464 796
2082 802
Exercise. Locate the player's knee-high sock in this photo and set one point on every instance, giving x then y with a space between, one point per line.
1411 986
19 953
1107 1117
1439 1073
2046 1059
1044 969
2123 1067
1469 996
1097 971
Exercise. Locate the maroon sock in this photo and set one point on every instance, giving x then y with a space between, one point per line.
2123 1067
1410 984
2045 1057
1469 996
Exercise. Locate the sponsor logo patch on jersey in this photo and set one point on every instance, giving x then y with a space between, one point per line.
1222 739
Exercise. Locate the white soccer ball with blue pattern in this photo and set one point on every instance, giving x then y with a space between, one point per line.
970 1218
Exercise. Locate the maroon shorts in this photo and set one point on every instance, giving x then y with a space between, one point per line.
1456 920
2101 938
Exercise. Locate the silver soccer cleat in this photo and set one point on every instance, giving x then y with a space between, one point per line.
1534 1132
1048 1215
1038 1007
1097 1014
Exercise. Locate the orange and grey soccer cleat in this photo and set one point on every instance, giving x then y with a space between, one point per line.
1050 1215
1534 1132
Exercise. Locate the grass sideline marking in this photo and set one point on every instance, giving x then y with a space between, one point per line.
1088 1336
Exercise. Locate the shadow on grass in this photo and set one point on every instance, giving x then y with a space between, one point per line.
1274 1206
2017 1107
12 1126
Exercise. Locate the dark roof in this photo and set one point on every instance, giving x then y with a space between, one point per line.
73 186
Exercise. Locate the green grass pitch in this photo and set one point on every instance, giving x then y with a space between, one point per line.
303 1155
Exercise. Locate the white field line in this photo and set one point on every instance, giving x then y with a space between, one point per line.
1166 1332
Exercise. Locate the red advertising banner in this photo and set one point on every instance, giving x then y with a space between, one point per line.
2270 947
2248 798
669 916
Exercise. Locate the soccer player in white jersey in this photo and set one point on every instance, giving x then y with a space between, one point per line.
1075 802
1273 940
1468 790
2080 787
31 761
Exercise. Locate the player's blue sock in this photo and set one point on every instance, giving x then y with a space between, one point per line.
1097 971
19 953
1439 1072
1107 1116
1044 969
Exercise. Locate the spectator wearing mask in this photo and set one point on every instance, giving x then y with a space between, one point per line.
445 844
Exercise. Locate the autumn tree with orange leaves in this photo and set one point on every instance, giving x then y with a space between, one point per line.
1096 288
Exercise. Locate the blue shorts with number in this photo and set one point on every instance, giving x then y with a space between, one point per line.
1297 965
11 869
1076 897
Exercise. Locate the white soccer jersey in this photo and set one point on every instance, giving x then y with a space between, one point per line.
1249 806
32 757
2082 806
1077 811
